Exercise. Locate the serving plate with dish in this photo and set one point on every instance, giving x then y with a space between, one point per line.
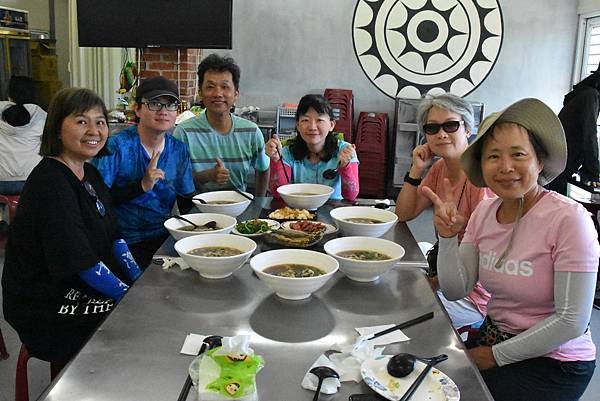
255 227
287 213
309 226
292 238
436 386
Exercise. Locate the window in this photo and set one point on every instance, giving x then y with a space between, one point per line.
591 47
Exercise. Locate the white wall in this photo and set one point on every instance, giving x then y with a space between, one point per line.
588 6
289 48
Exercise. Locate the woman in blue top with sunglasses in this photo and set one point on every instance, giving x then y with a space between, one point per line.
66 264
447 121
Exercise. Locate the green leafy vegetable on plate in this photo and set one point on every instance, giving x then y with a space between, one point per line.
255 226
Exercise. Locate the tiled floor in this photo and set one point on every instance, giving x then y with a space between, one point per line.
39 372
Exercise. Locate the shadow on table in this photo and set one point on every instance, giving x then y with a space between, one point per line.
375 296
283 320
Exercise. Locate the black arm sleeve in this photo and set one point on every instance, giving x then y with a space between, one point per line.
123 194
184 204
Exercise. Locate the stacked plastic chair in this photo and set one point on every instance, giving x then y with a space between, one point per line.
371 148
343 101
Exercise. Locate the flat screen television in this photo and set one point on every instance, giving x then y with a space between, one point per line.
201 24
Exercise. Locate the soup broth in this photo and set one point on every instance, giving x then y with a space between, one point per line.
294 270
220 202
215 251
198 229
363 255
363 220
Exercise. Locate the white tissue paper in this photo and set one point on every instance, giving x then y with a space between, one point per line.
395 336
330 384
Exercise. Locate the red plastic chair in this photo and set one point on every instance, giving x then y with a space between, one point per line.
22 379
3 352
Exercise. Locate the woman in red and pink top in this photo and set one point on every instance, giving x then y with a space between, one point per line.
447 121
535 250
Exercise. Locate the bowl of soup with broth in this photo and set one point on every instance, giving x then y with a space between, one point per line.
294 273
305 196
181 229
230 203
364 258
215 255
363 220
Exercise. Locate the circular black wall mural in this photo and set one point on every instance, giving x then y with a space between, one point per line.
411 47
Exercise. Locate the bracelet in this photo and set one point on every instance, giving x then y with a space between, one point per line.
412 181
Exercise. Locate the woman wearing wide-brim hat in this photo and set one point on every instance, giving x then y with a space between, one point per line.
534 250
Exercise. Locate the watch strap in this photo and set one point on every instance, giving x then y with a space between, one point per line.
412 181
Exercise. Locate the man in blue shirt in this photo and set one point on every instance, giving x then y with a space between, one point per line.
147 168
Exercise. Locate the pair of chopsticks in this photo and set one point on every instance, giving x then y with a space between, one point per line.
282 163
404 325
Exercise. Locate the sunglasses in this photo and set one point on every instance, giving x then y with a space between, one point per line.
157 106
448 126
92 192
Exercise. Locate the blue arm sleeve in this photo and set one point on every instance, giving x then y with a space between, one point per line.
100 278
125 259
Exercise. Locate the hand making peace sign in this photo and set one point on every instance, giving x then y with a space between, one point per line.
448 222
153 173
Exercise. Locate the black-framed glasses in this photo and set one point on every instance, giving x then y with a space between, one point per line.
448 126
157 106
92 192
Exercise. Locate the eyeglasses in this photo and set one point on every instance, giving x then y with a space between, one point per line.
157 106
448 126
99 205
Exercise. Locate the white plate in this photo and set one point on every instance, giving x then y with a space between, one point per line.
436 386
274 225
329 229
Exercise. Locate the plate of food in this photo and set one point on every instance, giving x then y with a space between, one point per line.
436 386
293 238
255 227
288 213
309 226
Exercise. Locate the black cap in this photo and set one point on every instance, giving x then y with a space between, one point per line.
154 87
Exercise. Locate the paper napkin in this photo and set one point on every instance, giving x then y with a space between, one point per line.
395 336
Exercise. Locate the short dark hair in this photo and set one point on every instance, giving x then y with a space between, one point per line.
321 105
541 153
64 103
21 90
215 62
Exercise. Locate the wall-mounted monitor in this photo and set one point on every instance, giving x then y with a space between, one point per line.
201 24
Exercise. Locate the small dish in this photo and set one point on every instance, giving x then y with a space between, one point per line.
293 238
286 214
329 228
436 386
273 225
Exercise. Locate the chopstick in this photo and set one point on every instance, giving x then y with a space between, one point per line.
404 325
241 193
187 386
282 163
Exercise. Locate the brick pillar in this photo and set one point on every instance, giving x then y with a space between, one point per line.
162 61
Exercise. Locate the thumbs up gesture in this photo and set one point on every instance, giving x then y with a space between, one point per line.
220 173
153 173
448 222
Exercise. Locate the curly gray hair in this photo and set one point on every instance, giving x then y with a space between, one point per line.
446 101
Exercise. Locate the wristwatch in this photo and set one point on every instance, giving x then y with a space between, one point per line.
412 181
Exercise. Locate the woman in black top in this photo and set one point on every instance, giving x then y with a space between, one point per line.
65 265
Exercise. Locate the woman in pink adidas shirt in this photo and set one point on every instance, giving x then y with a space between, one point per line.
534 250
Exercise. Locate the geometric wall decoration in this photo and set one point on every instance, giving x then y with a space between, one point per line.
411 47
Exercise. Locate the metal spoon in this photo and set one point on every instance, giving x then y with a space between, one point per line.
430 363
322 372
211 225
208 343
330 173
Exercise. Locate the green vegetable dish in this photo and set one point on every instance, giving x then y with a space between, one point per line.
253 227
294 270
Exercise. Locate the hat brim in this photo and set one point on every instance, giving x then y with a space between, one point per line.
158 93
537 118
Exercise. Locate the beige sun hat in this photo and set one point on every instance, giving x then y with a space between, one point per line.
537 118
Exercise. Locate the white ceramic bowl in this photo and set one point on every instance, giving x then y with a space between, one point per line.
231 209
215 267
289 287
340 214
225 222
364 270
305 196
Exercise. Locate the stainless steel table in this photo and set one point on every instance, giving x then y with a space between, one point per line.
134 355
